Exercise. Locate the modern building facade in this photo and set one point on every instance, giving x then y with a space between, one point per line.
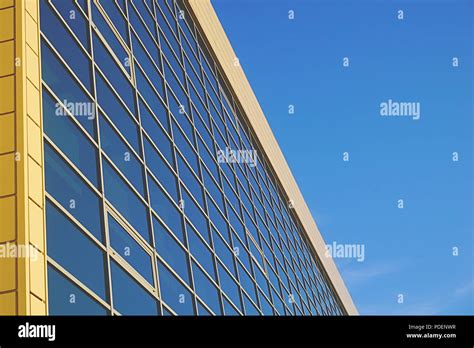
138 175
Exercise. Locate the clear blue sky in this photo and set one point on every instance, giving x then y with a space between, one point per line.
408 251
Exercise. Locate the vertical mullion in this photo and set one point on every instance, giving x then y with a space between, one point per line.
144 172
104 211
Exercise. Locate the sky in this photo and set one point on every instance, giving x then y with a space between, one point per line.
418 252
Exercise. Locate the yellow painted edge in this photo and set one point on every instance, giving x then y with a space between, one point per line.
209 24
30 163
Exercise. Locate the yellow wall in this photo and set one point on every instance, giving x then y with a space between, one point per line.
22 223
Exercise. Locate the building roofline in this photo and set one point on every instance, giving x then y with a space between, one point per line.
208 22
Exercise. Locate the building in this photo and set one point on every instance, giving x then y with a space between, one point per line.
138 173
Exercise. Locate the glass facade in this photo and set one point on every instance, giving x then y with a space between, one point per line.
141 216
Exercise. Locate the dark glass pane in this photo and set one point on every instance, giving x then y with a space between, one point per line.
164 207
121 155
125 200
66 298
65 44
116 17
174 293
130 250
169 249
67 88
114 74
117 112
109 35
72 193
161 170
73 250
72 141
206 290
129 297
229 285
74 19
201 251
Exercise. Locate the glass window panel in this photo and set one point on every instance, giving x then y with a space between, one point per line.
60 290
66 87
116 18
114 74
229 285
66 44
161 170
190 180
229 309
250 308
121 155
161 114
112 40
125 200
72 193
165 209
144 11
127 247
76 22
158 136
224 252
195 215
170 250
206 290
174 293
247 283
130 298
152 73
201 251
67 244
117 112
72 141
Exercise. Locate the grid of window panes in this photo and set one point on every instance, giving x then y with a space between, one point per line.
141 218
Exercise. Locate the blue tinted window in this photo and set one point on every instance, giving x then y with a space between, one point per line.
64 42
78 23
129 297
171 251
158 136
201 251
161 170
121 155
250 308
224 252
109 35
173 293
67 244
117 112
60 302
229 285
206 290
71 140
165 208
116 17
196 216
113 73
64 86
190 180
130 250
72 193
152 72
125 200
